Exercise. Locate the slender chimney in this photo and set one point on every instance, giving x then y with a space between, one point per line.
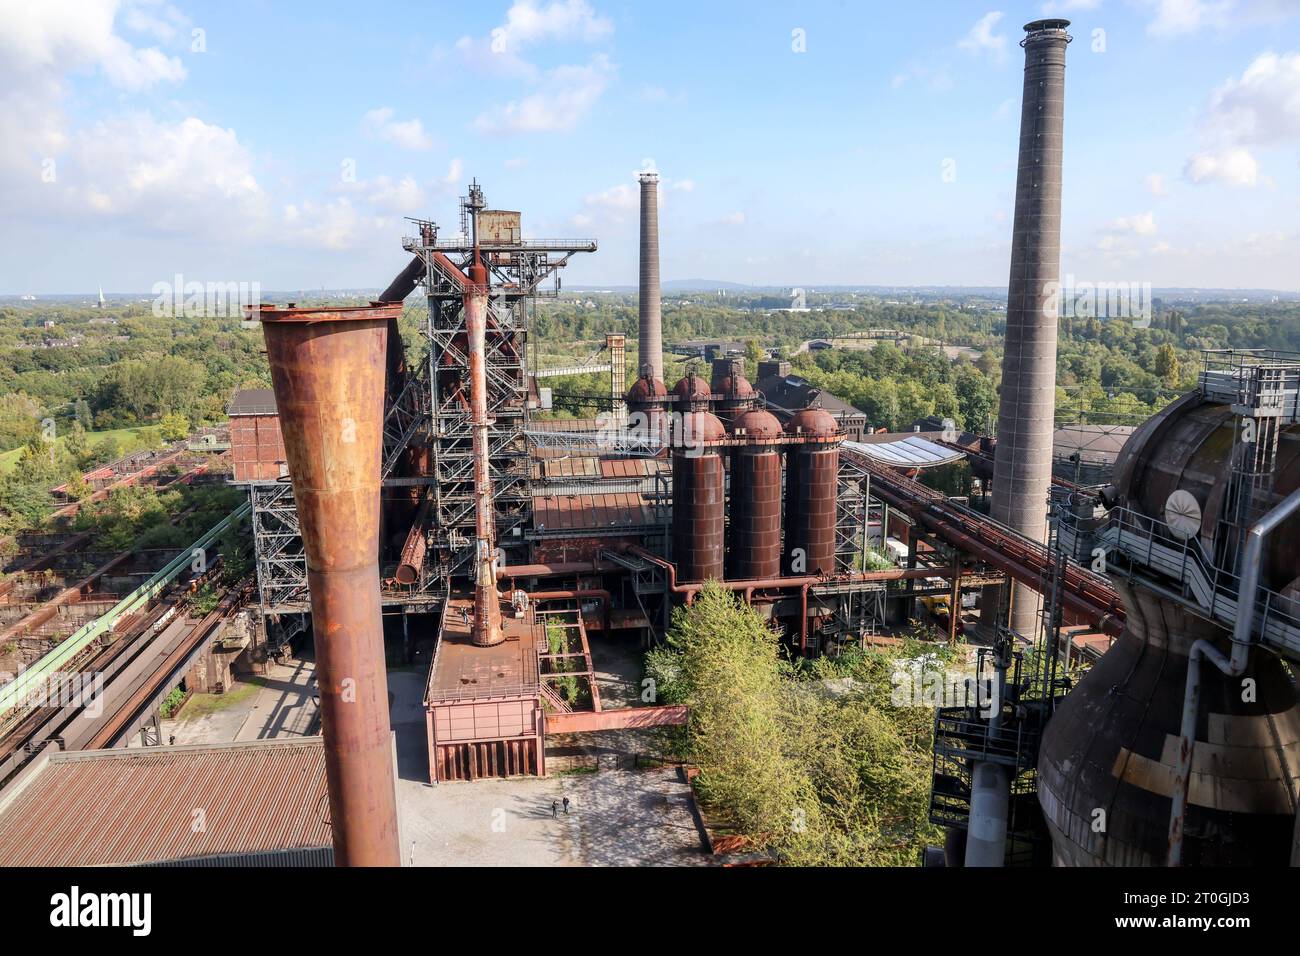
1022 471
651 326
328 369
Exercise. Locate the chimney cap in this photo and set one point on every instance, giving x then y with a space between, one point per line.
650 177
1041 26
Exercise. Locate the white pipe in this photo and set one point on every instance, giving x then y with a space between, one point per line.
1243 637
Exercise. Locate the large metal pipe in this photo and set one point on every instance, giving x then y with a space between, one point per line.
487 600
328 366
651 321
1022 468
1244 637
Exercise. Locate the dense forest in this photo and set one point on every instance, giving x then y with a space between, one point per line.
80 385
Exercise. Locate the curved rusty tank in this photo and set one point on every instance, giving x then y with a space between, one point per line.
1112 745
754 537
811 490
736 394
648 407
698 497
691 393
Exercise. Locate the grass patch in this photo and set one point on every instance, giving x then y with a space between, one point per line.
204 705
125 437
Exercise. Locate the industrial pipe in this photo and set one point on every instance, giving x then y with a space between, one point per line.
487 600
557 570
1243 638
328 369
413 550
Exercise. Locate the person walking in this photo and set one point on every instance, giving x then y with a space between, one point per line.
555 809
566 806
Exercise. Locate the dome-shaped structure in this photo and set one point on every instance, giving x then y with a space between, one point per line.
737 395
754 538
813 423
692 393
1114 741
644 389
757 423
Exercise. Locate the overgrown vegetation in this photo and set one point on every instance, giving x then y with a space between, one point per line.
557 640
812 762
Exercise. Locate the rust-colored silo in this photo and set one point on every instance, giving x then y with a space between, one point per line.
1114 743
648 408
811 489
735 394
754 538
328 369
698 496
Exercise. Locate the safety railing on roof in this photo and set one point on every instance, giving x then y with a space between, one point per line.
1146 542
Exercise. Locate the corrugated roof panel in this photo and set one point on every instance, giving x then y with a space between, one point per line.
910 452
139 805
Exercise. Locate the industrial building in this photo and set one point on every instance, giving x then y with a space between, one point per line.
425 498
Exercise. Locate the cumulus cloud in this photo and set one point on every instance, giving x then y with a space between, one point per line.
1142 224
408 134
1156 184
1234 166
982 40
1180 17
528 23
1259 109
562 99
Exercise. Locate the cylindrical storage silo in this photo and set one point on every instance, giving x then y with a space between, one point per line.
811 487
754 539
698 502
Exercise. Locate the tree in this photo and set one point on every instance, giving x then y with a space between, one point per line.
753 355
174 427
1166 365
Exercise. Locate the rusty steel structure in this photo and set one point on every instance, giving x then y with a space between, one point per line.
328 368
811 487
1023 464
1199 531
754 538
733 395
699 503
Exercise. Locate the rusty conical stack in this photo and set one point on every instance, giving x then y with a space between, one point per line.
328 369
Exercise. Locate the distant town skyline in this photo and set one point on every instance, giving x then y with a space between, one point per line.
819 144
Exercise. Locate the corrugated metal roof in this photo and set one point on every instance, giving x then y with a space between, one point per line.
252 401
142 805
590 512
910 452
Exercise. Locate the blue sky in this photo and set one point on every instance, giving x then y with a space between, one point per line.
799 144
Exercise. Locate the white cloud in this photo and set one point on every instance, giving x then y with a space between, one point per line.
408 134
528 23
561 100
454 170
1180 17
1156 184
160 20
400 197
1142 224
188 177
982 40
1234 166
1261 108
